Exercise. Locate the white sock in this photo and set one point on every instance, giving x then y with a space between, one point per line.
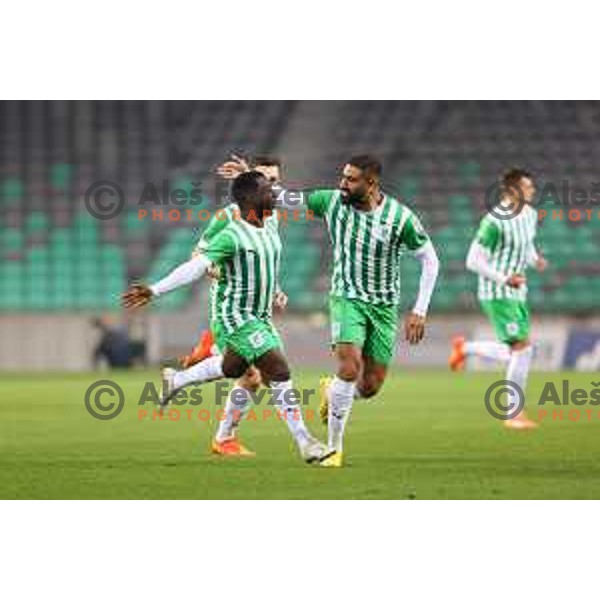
234 411
207 370
493 350
518 366
290 412
341 397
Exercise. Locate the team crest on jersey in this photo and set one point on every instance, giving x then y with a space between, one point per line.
382 232
512 328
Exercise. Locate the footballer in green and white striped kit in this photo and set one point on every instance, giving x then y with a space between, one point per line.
369 231
502 251
247 252
246 286
365 282
242 299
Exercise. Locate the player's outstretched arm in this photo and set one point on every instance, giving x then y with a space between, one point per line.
314 200
139 295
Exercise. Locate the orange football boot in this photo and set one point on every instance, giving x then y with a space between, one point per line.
230 447
521 422
457 359
202 350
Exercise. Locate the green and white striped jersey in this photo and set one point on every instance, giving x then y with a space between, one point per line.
219 222
367 246
512 249
249 259
222 218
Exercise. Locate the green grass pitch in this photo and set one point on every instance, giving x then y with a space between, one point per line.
426 436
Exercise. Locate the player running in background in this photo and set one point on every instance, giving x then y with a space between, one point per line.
247 253
226 441
368 230
500 254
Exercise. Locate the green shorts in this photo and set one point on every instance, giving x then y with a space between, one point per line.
371 327
510 319
250 341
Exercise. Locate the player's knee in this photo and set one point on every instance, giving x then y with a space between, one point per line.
233 368
273 367
368 390
250 380
279 374
232 371
349 368
519 345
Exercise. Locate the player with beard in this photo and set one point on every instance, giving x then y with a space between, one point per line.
369 230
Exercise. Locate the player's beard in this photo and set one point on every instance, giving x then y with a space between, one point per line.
352 199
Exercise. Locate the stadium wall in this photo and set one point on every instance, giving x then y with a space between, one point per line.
66 342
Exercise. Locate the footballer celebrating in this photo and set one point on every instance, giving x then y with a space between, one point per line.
368 230
226 441
247 253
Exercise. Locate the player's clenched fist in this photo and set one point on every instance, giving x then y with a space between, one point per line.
414 328
516 281
136 296
280 300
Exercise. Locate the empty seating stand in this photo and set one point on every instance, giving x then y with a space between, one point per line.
439 158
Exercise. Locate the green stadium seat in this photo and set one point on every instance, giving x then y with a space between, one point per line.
12 240
60 175
409 187
469 172
36 221
134 225
12 190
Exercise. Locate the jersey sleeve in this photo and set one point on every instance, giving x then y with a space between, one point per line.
318 201
413 235
215 226
221 247
488 234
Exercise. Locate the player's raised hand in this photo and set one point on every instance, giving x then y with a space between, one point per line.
235 166
280 300
136 296
414 328
516 281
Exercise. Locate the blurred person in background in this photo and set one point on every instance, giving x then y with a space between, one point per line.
502 251
113 348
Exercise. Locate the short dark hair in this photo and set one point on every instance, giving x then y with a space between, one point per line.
265 160
513 176
245 186
367 163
